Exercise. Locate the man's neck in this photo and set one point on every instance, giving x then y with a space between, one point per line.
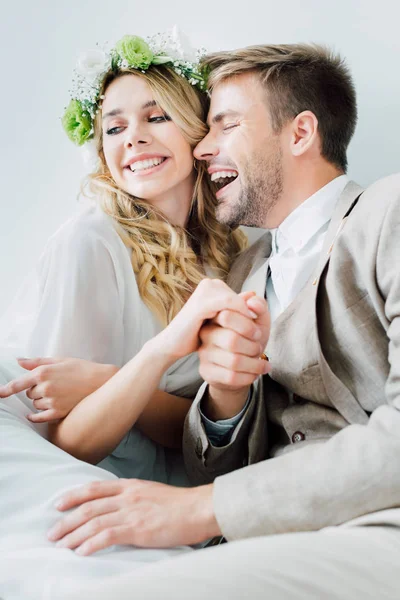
298 189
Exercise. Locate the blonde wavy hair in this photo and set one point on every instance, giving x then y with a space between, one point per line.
168 260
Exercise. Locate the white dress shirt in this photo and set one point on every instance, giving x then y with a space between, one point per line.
296 247
297 244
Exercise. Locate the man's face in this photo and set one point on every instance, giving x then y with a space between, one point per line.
243 152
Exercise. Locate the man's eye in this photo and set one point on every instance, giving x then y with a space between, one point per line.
230 126
114 130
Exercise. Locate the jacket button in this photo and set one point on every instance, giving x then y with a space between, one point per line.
298 399
298 436
199 448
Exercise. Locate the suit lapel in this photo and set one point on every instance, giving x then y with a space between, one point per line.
344 204
341 398
249 271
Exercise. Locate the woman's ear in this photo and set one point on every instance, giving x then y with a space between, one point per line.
304 133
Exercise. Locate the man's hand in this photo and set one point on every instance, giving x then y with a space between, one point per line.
134 512
231 345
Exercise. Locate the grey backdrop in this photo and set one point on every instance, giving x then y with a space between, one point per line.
40 41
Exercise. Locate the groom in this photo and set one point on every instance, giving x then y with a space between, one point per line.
310 451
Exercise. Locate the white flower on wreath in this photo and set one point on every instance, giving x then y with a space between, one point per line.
93 63
90 157
175 45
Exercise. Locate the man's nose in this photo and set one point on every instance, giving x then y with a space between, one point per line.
206 149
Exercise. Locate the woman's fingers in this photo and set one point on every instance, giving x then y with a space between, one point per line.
212 295
44 416
31 363
35 393
18 385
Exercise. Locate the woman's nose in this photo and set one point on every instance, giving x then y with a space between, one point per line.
136 136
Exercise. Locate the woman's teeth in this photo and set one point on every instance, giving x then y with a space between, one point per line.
140 165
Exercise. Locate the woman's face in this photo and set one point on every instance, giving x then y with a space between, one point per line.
146 153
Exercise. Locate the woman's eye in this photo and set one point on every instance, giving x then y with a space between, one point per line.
159 119
114 130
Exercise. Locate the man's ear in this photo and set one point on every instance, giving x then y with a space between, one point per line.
304 133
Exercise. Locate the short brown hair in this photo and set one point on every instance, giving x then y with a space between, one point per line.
298 77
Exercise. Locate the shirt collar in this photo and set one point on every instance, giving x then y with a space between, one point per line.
308 218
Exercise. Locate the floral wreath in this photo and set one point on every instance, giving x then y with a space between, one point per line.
131 52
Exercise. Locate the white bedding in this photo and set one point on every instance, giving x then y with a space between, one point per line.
33 474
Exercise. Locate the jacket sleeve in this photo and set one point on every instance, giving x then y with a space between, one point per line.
248 443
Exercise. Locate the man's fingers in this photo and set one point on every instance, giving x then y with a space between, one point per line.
88 513
88 529
214 335
17 385
260 307
247 295
31 363
86 493
219 376
113 536
235 362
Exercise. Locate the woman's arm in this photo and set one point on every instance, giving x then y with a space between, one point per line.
163 418
97 424
56 386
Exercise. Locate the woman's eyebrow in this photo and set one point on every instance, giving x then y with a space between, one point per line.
112 113
118 111
149 104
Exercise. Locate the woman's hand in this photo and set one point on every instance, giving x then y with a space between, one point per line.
57 385
211 296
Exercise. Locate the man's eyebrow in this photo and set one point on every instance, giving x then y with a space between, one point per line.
118 111
222 115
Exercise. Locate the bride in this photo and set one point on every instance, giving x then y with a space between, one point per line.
113 277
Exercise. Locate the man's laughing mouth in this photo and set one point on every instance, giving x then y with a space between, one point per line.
222 178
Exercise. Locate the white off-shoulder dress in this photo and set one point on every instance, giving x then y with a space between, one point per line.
82 301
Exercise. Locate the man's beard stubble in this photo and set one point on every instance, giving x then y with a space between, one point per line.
262 186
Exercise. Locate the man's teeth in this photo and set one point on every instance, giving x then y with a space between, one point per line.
223 174
146 164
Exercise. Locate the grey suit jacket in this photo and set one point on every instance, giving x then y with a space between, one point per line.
343 468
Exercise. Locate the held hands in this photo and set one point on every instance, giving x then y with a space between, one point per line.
211 296
57 385
231 346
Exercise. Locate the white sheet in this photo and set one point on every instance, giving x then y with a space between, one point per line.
33 474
